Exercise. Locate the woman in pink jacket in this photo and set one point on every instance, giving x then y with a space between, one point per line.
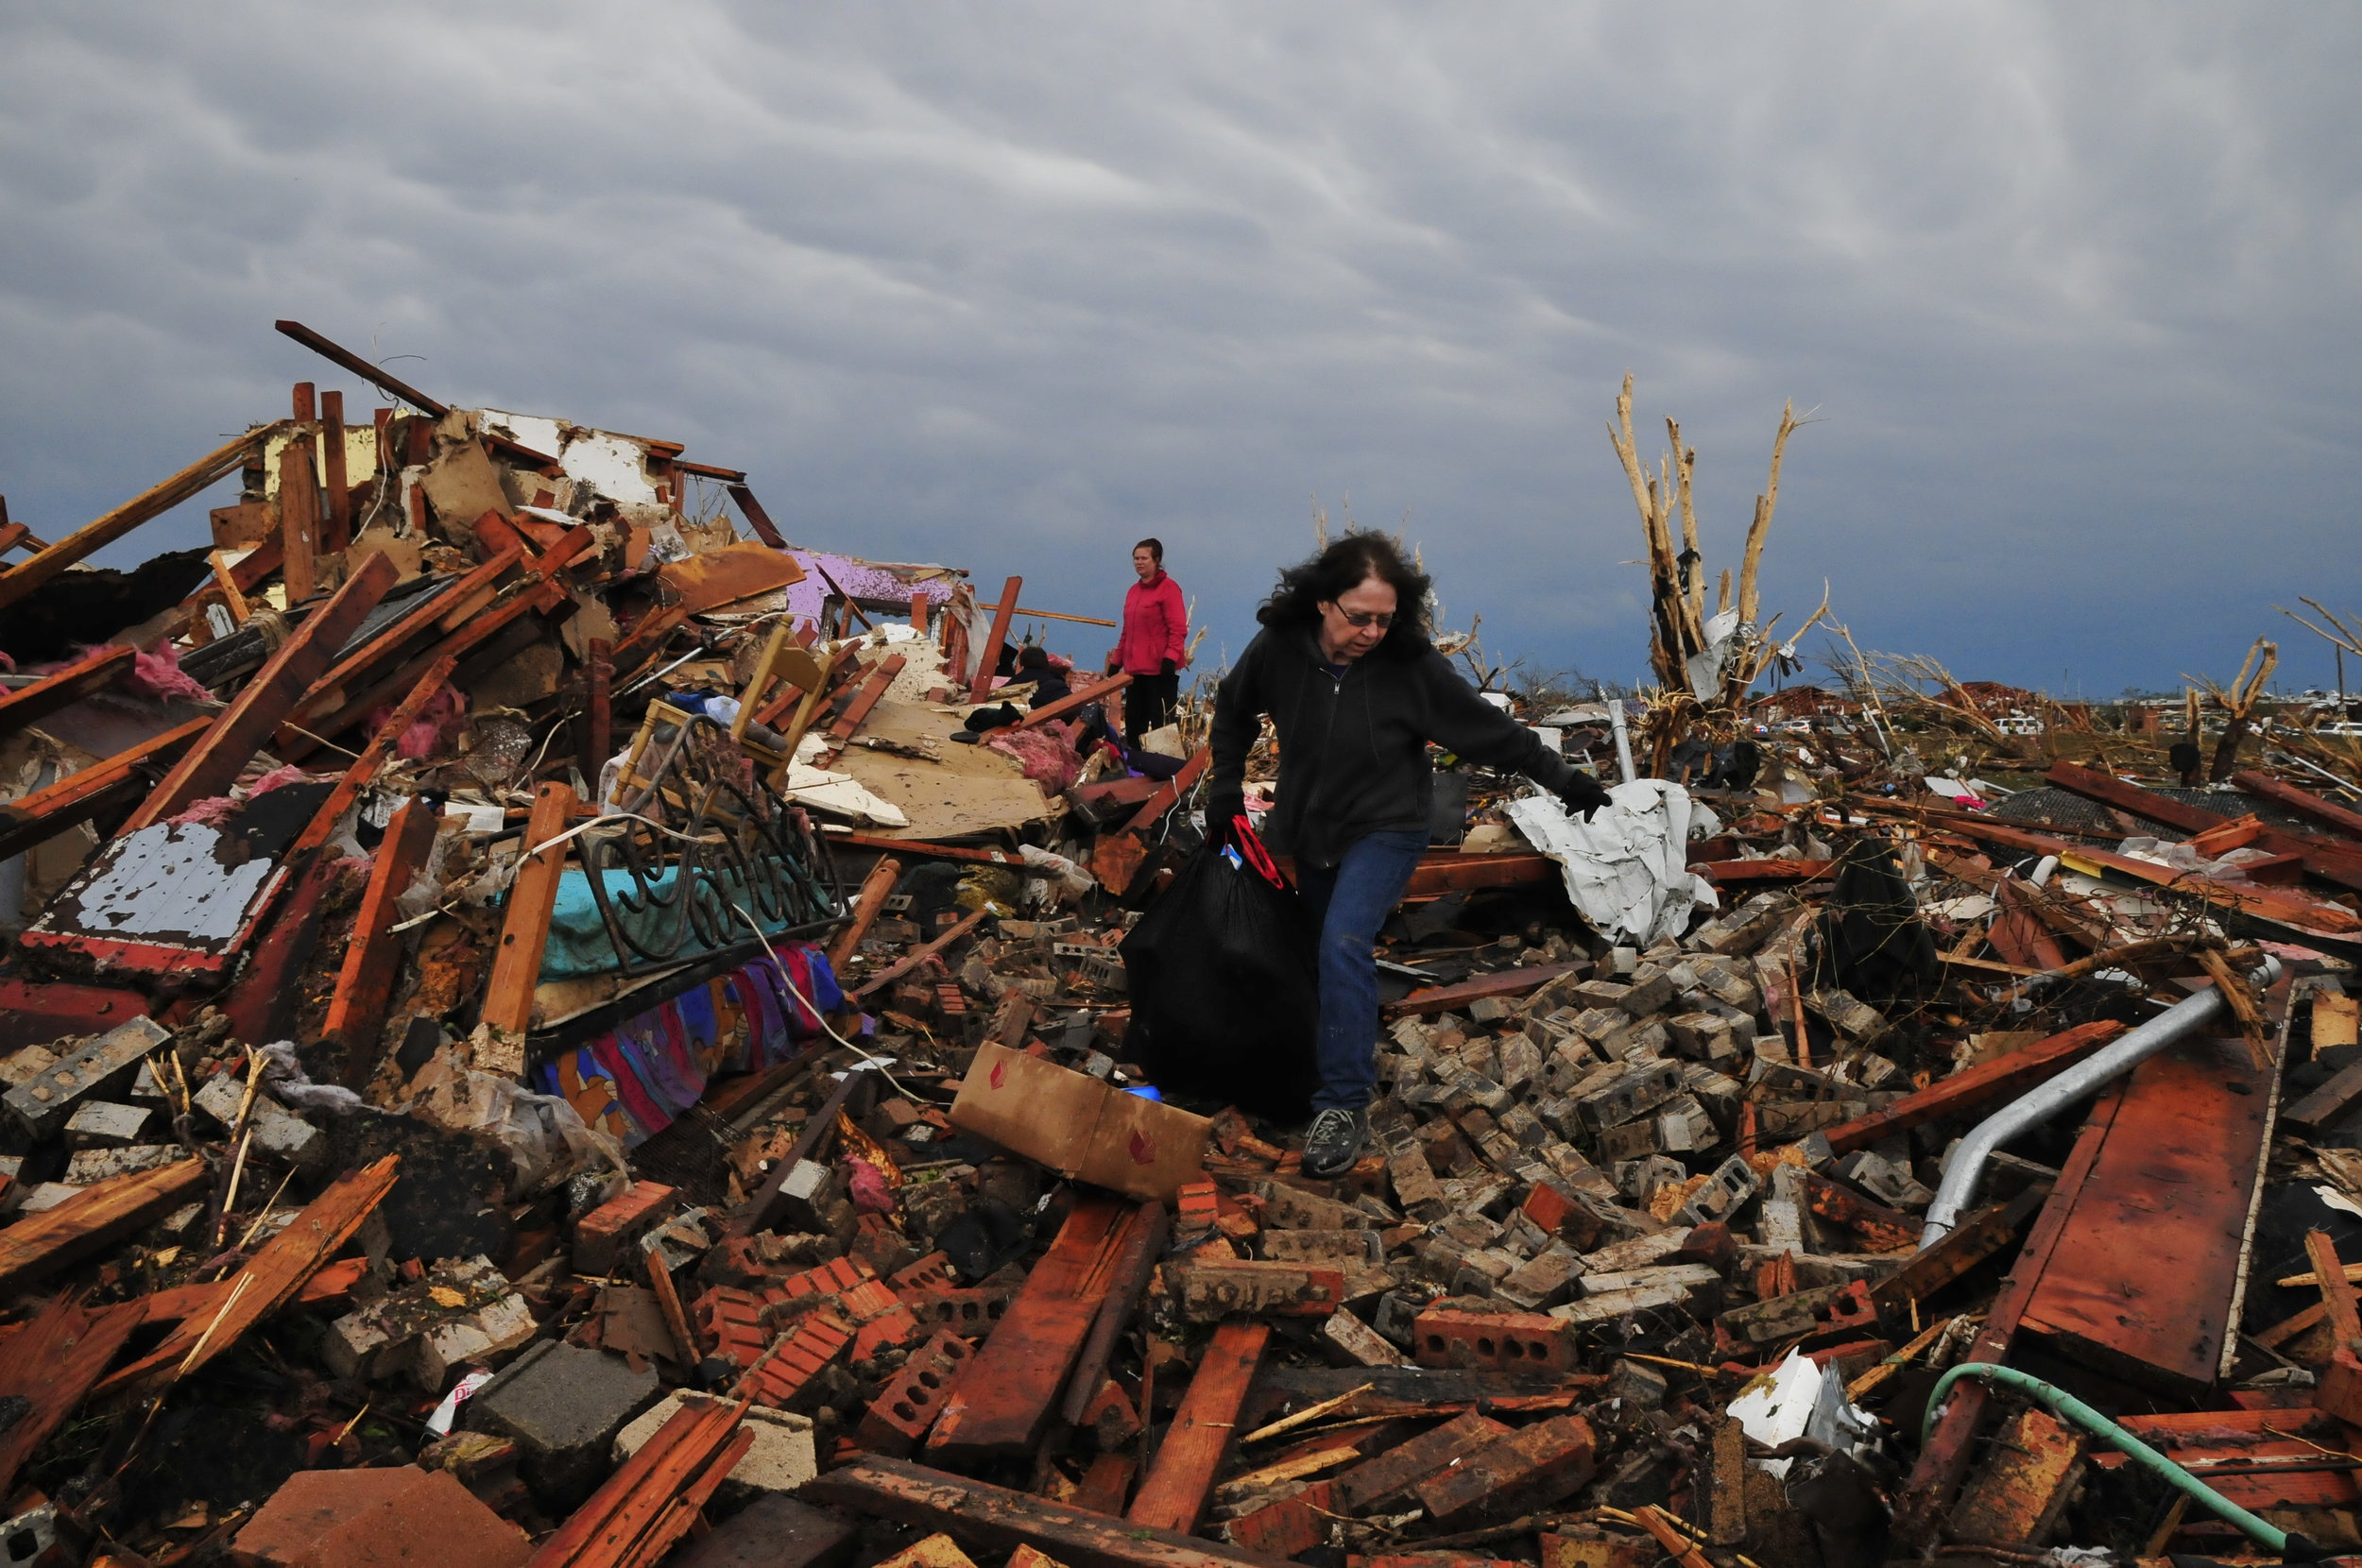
1149 648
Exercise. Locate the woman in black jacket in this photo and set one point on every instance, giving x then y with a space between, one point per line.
1356 691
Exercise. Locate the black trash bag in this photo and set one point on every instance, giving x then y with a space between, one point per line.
1225 999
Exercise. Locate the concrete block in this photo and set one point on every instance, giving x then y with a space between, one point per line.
93 1166
278 1131
1350 1341
105 1124
781 1459
42 1102
562 1405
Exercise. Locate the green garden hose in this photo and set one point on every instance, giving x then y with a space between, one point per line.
2268 1536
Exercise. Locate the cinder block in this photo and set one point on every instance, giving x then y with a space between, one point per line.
1542 1282
562 1405
42 1102
104 1124
93 1166
1632 1094
278 1131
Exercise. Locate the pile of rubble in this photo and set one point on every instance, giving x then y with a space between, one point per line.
538 1030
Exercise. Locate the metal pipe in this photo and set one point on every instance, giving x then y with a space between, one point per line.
1623 737
2046 1100
2262 1531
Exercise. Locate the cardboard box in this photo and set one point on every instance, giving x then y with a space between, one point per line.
1078 1126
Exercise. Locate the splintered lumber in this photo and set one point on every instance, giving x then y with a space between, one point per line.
269 1279
917 956
363 768
1957 1252
876 889
2302 802
857 711
994 1519
1073 699
62 688
525 922
1172 1495
653 1498
357 1011
1143 1244
2148 1272
757 519
51 1363
988 656
2003 1078
1502 982
78 797
376 375
1001 1406
213 764
25 578
95 1218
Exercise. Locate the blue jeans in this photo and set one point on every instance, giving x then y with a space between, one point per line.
1349 901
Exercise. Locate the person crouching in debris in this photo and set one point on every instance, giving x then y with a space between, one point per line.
1153 645
1356 690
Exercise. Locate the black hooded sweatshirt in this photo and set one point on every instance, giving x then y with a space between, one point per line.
1353 749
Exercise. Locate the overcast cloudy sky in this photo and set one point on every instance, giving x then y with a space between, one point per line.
2072 288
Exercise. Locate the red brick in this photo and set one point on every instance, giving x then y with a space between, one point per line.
932 1272
830 1279
779 1377
1510 1341
600 1236
970 1314
898 1418
732 1322
1527 1469
1549 1208
366 1517
1197 1208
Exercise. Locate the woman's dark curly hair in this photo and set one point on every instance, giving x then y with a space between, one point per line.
1341 569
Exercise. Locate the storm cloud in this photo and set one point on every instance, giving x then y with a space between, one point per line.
2071 290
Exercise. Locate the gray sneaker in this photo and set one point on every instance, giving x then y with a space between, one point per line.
1334 1142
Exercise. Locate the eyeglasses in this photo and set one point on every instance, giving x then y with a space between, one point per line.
1361 620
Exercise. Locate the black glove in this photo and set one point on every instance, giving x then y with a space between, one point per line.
1169 668
1221 807
1582 794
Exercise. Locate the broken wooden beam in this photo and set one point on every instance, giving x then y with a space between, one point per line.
214 763
51 1363
857 711
757 519
996 1519
1172 1495
876 889
374 374
525 922
37 570
2004 1077
102 787
2302 802
62 687
1074 700
94 1218
270 1279
1502 982
917 956
988 656
365 981
1002 1405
